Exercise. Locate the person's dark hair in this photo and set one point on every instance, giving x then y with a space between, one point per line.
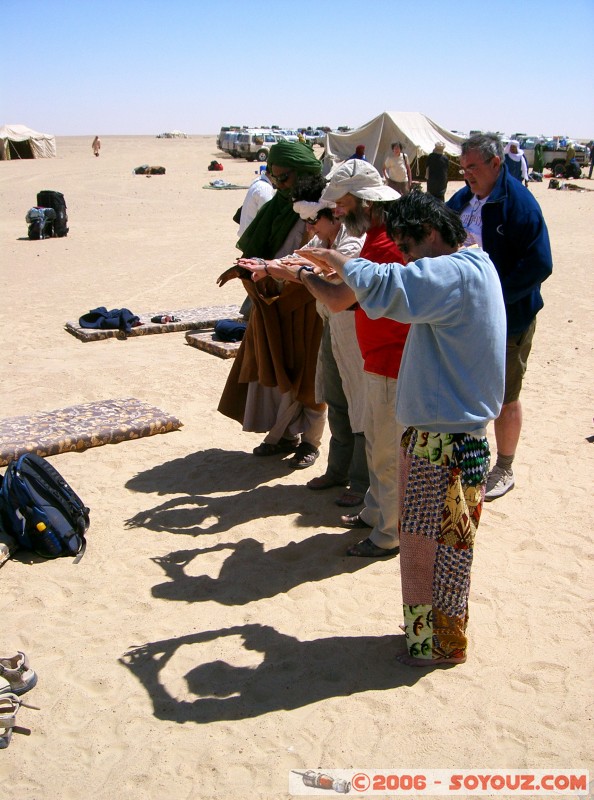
380 211
308 187
328 213
396 144
417 213
488 145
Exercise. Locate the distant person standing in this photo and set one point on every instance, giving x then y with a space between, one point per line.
591 159
96 146
397 170
538 158
359 153
437 172
515 161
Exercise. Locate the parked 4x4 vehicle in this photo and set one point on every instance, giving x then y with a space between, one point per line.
288 135
554 156
229 143
254 145
225 130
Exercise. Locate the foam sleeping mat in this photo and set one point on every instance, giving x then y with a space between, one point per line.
208 341
189 319
79 427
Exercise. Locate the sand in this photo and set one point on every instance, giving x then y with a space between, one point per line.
214 636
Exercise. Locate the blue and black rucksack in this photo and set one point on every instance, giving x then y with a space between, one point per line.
41 222
41 511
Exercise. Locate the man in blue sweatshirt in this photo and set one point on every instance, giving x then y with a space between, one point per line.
503 217
450 386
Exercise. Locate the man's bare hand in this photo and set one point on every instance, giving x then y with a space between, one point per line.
327 260
233 272
280 269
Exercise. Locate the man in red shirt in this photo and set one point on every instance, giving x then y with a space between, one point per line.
361 198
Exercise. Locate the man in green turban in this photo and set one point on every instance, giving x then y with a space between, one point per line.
271 386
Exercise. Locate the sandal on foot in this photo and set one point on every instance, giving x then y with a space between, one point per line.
349 500
324 482
9 705
282 446
305 455
18 673
367 549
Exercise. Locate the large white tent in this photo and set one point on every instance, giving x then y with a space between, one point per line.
418 135
18 141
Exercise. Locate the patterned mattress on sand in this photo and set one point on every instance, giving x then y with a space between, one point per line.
79 427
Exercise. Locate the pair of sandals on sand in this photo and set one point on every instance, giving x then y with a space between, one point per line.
16 678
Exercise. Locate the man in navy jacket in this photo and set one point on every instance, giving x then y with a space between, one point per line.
502 216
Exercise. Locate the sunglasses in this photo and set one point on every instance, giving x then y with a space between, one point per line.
282 178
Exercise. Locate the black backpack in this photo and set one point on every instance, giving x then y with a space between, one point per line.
55 200
40 509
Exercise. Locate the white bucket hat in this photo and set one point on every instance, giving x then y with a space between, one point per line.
360 179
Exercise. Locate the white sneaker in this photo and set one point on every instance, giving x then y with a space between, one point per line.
499 482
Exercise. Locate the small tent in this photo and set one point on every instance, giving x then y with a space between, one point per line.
18 141
418 135
172 135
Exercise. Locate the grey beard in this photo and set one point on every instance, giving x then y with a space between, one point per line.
356 222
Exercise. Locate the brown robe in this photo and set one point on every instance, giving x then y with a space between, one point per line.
279 348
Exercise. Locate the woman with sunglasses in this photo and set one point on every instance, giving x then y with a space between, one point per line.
340 365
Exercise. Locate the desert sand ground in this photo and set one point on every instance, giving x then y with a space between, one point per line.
214 636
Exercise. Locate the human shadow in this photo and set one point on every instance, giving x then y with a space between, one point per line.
250 573
293 673
196 514
209 471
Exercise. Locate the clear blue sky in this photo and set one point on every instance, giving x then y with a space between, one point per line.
76 67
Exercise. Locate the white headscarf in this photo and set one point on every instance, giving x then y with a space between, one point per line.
514 156
308 210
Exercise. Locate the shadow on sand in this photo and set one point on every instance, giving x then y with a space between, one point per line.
292 674
250 573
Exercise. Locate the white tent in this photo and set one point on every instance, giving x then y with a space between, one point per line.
18 141
172 135
418 135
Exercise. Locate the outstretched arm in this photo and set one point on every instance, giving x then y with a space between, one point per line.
335 296
298 268
233 272
327 260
